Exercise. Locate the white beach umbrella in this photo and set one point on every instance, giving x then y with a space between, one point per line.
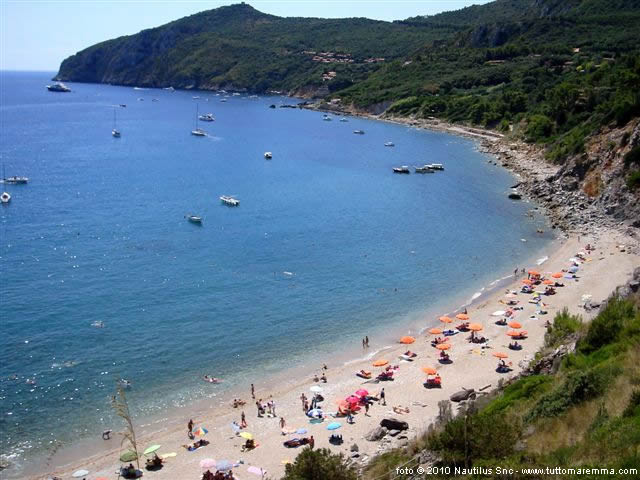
498 313
80 473
316 389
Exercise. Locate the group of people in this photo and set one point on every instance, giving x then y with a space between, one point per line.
217 476
268 408
365 342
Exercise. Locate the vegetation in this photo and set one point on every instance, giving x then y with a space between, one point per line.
319 465
586 415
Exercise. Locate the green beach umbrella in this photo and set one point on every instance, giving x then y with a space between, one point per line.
128 456
151 449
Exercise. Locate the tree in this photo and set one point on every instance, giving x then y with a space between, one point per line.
319 465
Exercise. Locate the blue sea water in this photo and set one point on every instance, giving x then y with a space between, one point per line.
326 246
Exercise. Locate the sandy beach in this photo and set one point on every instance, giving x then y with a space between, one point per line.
611 264
473 367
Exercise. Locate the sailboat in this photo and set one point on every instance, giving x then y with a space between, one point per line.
115 132
198 132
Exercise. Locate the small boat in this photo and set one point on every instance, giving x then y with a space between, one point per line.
123 105
124 383
326 118
195 98
198 132
235 94
268 155
207 117
115 132
359 132
194 219
514 195
343 119
171 89
402 169
424 169
15 180
155 100
5 197
389 144
58 87
229 201
223 100
437 166
98 324
272 106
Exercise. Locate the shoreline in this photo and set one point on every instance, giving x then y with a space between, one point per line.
172 435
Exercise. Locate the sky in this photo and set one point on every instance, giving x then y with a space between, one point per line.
39 34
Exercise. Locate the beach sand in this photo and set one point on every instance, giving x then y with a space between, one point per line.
473 367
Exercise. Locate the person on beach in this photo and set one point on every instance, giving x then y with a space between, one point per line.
315 378
366 409
253 392
350 417
273 408
382 397
323 378
366 341
363 344
282 423
305 408
259 407
312 442
190 426
515 272
303 401
243 420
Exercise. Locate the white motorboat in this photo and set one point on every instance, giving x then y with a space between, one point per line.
343 119
207 117
359 132
437 166
15 180
402 169
223 100
389 144
5 197
268 155
424 169
194 219
326 118
115 132
229 201
58 87
171 89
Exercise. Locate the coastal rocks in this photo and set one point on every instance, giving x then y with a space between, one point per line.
394 424
462 395
551 362
376 434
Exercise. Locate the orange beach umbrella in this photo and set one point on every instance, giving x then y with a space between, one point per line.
475 327
548 282
513 333
526 281
557 275
446 320
443 346
515 325
429 370
435 331
407 340
533 272
462 316
380 363
500 355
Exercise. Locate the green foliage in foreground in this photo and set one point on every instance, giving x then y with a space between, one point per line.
319 465
586 415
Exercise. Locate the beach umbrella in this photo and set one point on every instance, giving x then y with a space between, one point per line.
407 340
462 316
572 269
151 449
316 412
362 392
200 432
526 281
513 333
443 346
511 295
498 313
128 456
514 325
351 399
557 275
446 320
535 273
256 471
316 389
500 355
334 426
207 463
246 435
548 282
380 363
429 370
80 473
301 431
475 327
435 331
224 465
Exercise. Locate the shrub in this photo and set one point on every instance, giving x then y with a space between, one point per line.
319 465
632 157
633 409
633 180
564 324
607 326
539 127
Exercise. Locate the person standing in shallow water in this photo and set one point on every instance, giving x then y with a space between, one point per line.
253 392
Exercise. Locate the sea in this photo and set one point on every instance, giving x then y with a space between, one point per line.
326 246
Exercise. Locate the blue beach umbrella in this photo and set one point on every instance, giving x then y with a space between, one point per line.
316 412
224 465
334 426
301 431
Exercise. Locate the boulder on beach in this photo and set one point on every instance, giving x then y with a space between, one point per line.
376 434
394 424
463 394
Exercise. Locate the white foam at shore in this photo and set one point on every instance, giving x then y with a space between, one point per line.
540 261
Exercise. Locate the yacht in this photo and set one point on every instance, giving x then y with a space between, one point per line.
223 100
58 87
171 89
389 144
15 180
194 219
268 155
115 132
207 117
229 201
5 197
359 132
198 132
437 166
402 169
343 119
424 169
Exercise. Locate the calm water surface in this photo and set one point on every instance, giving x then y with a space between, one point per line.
327 246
